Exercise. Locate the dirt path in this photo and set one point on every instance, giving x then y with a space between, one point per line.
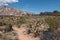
22 35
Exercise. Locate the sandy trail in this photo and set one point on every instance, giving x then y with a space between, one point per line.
22 34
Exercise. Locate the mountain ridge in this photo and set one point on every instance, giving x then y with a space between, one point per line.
7 10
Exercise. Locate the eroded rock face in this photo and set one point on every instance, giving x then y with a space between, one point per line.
6 10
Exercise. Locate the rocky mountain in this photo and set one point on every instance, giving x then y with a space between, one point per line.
7 10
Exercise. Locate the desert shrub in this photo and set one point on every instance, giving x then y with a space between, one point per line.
9 36
50 35
0 35
0 23
35 28
52 22
9 28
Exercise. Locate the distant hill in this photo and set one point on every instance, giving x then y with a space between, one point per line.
7 10
54 13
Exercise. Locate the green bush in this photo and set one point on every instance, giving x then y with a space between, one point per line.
52 22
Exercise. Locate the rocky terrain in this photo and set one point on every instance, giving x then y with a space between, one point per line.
7 10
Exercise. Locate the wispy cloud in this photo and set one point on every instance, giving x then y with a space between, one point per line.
5 2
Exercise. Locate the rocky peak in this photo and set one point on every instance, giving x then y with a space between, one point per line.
7 10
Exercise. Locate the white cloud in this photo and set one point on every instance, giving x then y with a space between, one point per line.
5 2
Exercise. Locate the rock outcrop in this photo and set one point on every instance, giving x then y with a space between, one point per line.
7 10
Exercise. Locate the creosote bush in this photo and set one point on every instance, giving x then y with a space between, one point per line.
52 22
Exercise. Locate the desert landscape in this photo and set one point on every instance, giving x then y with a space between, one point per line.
29 27
29 19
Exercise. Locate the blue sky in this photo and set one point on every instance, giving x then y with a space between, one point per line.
37 6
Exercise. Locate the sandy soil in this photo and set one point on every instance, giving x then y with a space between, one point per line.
22 34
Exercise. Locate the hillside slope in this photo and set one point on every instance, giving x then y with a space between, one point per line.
7 10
